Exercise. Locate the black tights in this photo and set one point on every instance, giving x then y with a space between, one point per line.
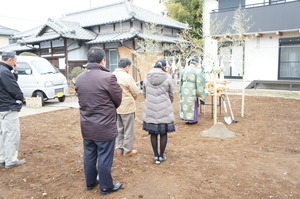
163 144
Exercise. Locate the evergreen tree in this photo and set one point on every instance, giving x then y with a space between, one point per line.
186 11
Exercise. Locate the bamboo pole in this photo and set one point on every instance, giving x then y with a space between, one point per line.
215 97
243 98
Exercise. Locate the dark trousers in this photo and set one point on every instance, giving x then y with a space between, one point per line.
104 153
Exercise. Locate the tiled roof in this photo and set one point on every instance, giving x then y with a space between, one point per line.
7 31
101 15
112 37
44 37
74 25
150 17
160 38
27 33
118 36
71 30
15 47
118 12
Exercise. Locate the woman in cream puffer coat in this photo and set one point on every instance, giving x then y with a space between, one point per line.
158 116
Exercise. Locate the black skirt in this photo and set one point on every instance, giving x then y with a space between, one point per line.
158 128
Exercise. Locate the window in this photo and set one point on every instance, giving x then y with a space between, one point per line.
232 60
289 58
113 59
276 1
228 4
44 67
22 67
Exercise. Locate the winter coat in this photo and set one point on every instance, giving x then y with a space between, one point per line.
129 93
192 86
11 96
158 91
99 96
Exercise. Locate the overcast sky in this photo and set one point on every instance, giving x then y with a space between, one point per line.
26 14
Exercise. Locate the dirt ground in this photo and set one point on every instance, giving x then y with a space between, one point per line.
262 161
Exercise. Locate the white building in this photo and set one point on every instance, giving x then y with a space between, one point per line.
271 53
5 34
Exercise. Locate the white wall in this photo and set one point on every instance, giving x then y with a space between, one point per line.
4 41
261 58
167 31
210 46
175 32
261 53
78 53
106 28
209 5
137 25
95 29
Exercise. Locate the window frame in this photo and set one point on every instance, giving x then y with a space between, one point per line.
288 42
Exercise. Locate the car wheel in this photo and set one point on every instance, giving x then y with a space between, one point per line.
62 99
41 95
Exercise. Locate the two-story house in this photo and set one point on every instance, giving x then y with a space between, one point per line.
5 35
117 28
271 51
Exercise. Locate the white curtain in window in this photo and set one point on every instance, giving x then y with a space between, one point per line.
289 61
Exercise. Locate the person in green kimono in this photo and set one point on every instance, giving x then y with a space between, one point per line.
191 88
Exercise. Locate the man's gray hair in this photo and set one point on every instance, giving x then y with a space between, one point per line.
8 54
123 62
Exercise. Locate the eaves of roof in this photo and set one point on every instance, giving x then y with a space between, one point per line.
28 33
15 47
112 37
42 38
160 38
4 31
60 29
67 29
150 17
123 36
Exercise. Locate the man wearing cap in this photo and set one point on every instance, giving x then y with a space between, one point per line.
11 98
126 111
192 87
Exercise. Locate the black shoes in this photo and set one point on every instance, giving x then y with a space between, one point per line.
115 188
159 160
191 122
91 187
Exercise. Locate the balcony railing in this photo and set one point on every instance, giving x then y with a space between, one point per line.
272 18
265 3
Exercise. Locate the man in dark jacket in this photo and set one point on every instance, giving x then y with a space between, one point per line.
99 96
11 98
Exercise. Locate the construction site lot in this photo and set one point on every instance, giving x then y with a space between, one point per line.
261 161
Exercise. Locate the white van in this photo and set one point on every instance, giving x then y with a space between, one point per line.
39 78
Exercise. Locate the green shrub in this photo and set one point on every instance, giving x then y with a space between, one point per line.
28 54
76 71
